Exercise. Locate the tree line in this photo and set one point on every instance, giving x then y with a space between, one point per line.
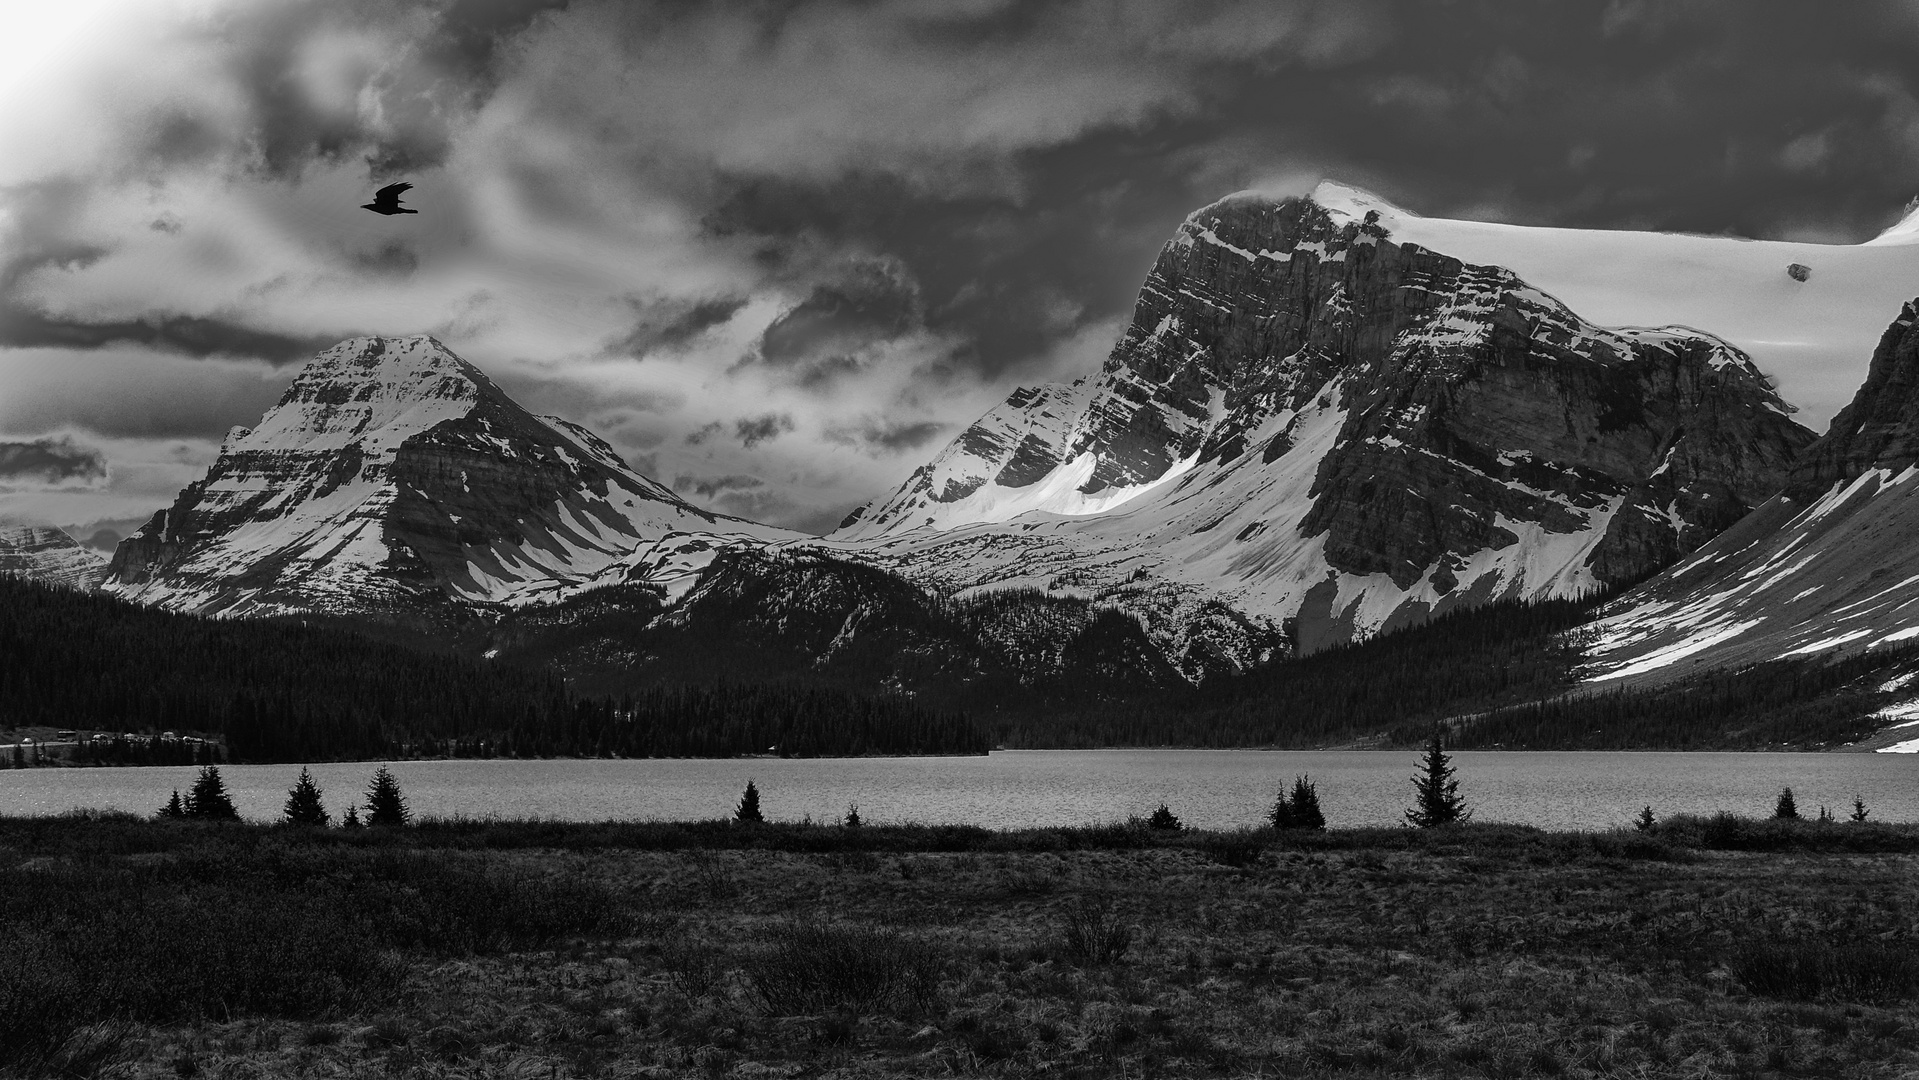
1809 702
285 692
1392 686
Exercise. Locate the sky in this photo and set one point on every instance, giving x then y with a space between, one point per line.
779 253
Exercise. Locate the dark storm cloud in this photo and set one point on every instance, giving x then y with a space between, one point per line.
54 462
874 302
700 435
887 437
754 430
1720 117
672 323
190 335
37 239
318 87
708 486
130 394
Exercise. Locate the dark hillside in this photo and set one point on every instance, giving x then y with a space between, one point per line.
282 692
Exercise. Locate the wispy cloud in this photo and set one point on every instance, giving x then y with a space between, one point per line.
53 463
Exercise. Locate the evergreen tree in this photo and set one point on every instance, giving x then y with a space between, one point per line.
352 818
1281 815
1646 820
852 816
1437 799
748 811
1164 818
1304 809
303 803
1825 815
1858 809
208 797
1786 808
384 803
173 809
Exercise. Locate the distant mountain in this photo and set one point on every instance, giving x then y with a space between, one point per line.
1317 428
49 555
394 482
1826 568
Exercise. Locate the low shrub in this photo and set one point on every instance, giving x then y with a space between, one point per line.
95 946
807 968
1092 933
1731 832
1235 849
231 927
1877 973
694 968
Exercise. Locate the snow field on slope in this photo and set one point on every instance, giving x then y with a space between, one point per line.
1814 337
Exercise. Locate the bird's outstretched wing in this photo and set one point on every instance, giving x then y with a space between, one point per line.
390 193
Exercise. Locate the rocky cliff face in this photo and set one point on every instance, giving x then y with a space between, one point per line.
51 556
1322 428
1880 429
1826 567
394 480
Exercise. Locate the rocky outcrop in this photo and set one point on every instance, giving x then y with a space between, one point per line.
1308 421
394 480
1826 567
1880 429
50 556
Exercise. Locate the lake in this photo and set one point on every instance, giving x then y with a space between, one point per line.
1010 789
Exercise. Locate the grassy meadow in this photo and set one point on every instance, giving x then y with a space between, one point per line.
1704 947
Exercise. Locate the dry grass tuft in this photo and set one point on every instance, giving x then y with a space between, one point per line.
1092 933
804 968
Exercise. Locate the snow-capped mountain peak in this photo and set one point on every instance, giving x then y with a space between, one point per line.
395 480
49 555
1320 425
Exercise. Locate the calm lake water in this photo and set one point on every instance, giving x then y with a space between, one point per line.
1211 788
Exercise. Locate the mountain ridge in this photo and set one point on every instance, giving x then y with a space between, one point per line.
48 554
1823 568
1351 369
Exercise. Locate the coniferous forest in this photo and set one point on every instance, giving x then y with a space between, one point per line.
1502 675
1361 693
280 692
1802 702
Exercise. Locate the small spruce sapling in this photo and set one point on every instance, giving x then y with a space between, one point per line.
352 819
852 816
1437 800
208 798
748 812
1646 821
1304 811
1787 808
384 803
173 808
303 803
1858 809
1825 815
1164 818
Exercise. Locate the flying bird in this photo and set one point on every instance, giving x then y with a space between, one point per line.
387 200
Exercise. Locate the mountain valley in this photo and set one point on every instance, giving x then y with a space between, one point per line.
1323 455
